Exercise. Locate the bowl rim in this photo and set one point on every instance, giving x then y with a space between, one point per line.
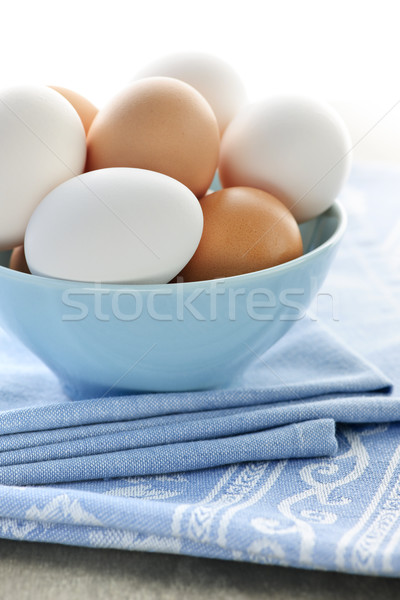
336 208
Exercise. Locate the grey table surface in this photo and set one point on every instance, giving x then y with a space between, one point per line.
43 571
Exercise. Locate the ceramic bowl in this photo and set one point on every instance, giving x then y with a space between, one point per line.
115 339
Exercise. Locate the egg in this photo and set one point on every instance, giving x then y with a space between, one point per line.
116 225
214 78
85 109
160 124
296 148
18 260
43 145
245 230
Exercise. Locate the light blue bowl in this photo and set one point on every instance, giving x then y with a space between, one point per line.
111 339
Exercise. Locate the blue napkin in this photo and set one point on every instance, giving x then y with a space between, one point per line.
165 433
311 395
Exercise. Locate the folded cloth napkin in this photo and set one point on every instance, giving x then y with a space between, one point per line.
337 512
262 416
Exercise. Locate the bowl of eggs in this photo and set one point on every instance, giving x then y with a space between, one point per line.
165 241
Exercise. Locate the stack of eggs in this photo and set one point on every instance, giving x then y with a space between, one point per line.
121 195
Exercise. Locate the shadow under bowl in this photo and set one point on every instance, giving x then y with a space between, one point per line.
104 339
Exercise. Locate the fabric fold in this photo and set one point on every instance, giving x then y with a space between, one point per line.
197 426
300 440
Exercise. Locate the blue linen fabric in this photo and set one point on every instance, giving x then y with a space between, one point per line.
260 417
130 472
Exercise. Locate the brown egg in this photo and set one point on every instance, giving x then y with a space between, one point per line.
85 109
161 124
18 260
245 230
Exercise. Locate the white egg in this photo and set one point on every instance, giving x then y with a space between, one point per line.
214 78
296 148
42 144
116 225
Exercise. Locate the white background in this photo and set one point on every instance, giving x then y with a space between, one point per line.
347 52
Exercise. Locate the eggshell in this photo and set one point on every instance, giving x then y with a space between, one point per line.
214 78
295 148
160 124
43 144
116 225
245 230
18 260
85 109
